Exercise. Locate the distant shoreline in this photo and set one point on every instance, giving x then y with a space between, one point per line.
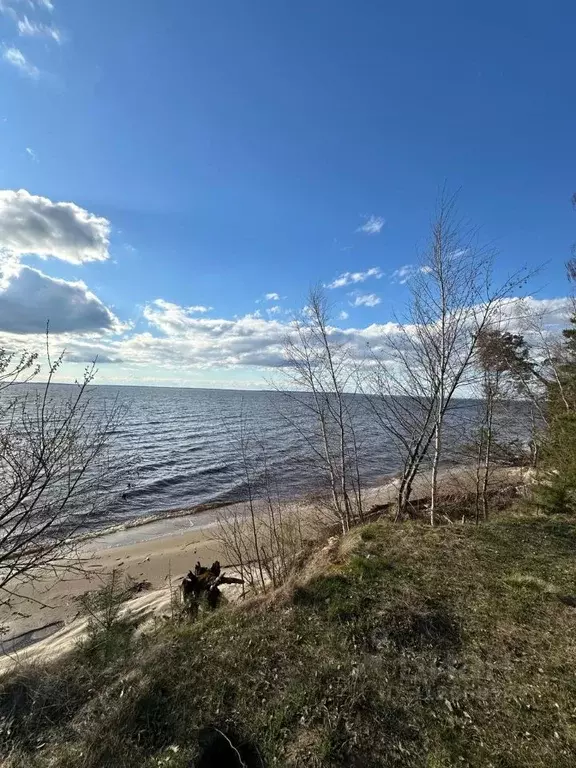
97 385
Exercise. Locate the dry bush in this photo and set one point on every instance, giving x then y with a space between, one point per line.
261 541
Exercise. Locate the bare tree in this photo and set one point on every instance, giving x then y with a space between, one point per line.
319 380
261 535
56 471
395 397
236 541
250 475
428 355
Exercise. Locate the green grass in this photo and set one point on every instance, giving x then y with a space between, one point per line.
420 647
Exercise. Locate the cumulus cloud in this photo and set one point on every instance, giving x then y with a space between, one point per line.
272 296
372 226
343 315
199 342
365 300
349 278
188 342
29 299
204 342
16 58
169 317
37 225
525 315
179 341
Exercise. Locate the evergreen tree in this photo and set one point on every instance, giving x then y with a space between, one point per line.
503 362
558 488
559 449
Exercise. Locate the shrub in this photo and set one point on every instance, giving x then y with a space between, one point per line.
109 634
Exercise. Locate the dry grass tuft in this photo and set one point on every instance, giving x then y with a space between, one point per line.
399 646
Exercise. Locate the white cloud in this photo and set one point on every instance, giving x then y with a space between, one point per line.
372 226
349 278
35 224
7 10
16 58
29 299
365 300
6 6
172 318
11 7
27 28
275 310
406 272
205 342
30 224
343 315
188 342
199 342
403 274
272 296
518 315
179 343
30 152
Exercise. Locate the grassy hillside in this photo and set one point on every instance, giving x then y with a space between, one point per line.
399 646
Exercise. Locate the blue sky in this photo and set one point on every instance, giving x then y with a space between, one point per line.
218 152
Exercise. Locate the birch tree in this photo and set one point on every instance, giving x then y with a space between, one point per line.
319 379
452 299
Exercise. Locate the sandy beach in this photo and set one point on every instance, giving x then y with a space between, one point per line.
51 599
44 618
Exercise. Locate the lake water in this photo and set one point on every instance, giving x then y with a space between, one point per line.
187 446
182 447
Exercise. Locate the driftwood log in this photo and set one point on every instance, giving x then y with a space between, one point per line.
205 581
